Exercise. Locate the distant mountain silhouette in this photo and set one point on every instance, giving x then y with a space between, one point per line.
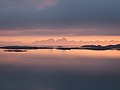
2 43
64 41
61 41
51 41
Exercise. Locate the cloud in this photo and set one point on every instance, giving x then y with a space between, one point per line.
37 4
61 15
71 31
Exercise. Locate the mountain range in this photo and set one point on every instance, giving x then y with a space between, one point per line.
61 41
64 41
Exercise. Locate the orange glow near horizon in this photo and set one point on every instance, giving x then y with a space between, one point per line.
29 39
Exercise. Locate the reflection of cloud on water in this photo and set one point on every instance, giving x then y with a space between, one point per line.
76 60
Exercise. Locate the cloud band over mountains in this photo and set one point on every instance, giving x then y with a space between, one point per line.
59 17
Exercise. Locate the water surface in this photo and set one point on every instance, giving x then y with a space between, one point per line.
60 70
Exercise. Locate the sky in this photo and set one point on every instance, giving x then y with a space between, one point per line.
62 18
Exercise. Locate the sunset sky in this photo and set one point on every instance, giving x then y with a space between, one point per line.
31 20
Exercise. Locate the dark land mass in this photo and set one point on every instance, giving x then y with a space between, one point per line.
99 47
88 47
25 47
67 48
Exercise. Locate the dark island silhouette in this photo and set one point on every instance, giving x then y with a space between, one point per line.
99 47
88 47
25 47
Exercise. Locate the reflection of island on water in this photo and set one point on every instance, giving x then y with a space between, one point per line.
15 50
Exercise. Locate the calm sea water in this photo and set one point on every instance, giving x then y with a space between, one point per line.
60 70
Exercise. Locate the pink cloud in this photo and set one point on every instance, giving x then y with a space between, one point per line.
37 4
45 3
